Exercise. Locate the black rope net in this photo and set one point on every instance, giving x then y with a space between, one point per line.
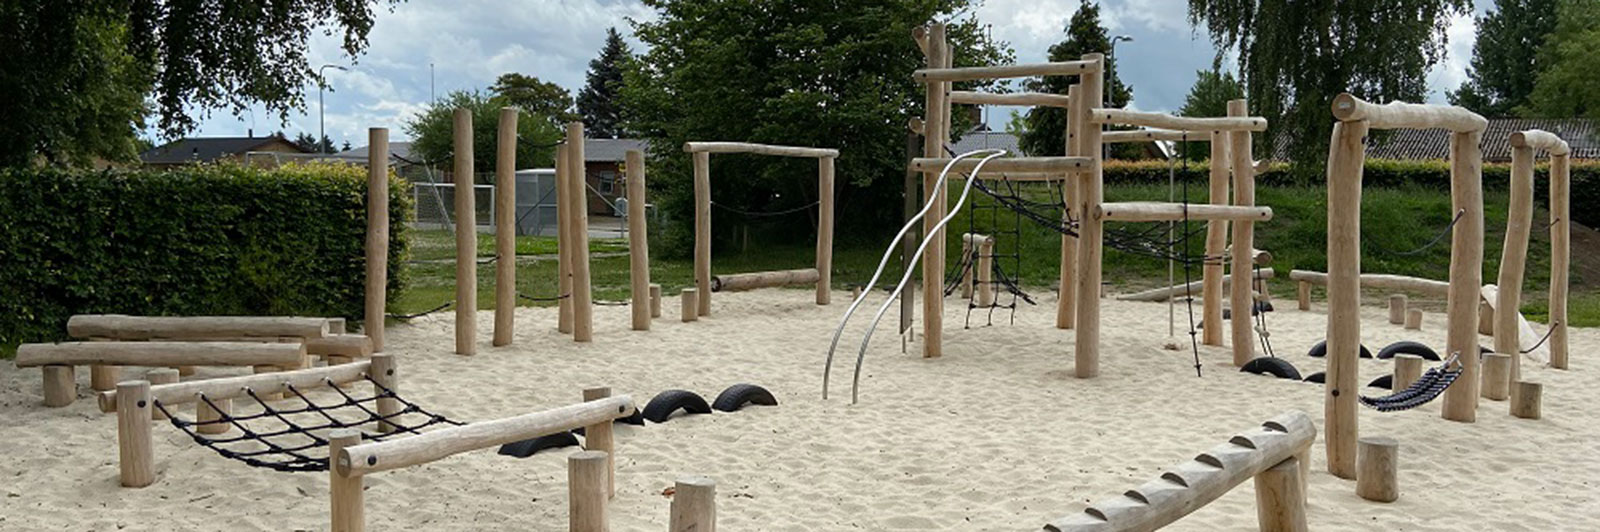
293 437
1429 386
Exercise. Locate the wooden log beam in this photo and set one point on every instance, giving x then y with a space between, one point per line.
231 387
1163 294
758 149
645 295
1400 115
1144 211
1035 99
162 354
1021 165
1379 281
1560 256
505 231
740 282
345 345
1063 68
1166 121
122 327
1147 135
1540 140
466 326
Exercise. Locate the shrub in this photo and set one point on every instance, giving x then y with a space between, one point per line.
203 240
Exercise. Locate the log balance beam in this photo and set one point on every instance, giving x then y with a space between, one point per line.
740 282
59 360
1275 454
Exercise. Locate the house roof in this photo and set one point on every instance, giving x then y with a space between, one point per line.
979 140
400 150
610 150
1579 133
205 149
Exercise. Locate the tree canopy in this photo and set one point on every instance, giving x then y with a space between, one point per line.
539 98
1085 34
1570 57
1209 96
597 102
432 132
1505 57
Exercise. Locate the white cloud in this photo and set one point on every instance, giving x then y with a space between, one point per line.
1452 70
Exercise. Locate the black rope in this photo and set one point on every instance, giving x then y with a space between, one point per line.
1260 312
1188 288
766 214
1436 239
1547 334
403 317
543 299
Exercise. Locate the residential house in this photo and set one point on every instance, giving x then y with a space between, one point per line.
183 152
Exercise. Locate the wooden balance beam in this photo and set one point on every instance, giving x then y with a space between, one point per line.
59 360
121 327
740 282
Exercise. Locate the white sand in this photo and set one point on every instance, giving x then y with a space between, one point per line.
996 435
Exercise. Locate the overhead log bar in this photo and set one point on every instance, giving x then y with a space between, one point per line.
1146 135
1034 165
1166 121
1039 99
759 149
1064 68
1400 115
1140 211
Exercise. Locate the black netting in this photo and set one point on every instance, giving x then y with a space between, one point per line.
1429 386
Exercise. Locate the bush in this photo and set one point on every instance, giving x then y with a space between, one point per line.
204 240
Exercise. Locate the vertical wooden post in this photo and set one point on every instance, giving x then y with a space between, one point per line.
638 243
208 420
1067 293
824 230
157 377
702 231
505 228
1345 160
1281 498
466 238
578 210
348 508
655 300
103 377
1216 244
1496 376
933 135
586 488
1378 480
60 385
136 456
967 254
1466 274
909 206
564 242
1090 230
384 373
598 437
1560 255
1407 369
1485 318
377 236
985 266
1414 319
1525 399
1303 294
1397 309
694 505
1244 194
691 305
1514 260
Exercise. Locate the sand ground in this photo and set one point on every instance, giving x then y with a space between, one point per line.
996 435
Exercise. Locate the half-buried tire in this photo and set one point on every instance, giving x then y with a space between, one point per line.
1276 367
1386 382
1318 377
665 403
1321 350
526 448
738 395
1407 347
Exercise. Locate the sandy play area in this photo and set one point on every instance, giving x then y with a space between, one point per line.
996 435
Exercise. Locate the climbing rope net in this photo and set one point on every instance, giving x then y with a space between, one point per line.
292 438
1428 387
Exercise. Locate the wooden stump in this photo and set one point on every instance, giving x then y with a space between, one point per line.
1378 464
102 378
1397 309
1496 376
136 456
691 305
1303 294
598 437
1414 319
655 300
60 385
586 486
1407 369
694 505
1525 399
1281 498
204 413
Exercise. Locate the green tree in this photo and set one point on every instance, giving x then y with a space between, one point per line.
80 74
789 72
540 98
309 143
1506 52
1566 85
597 102
433 133
1295 56
1047 125
1209 96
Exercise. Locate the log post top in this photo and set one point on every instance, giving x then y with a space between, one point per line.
1400 115
759 149
1540 140
1166 121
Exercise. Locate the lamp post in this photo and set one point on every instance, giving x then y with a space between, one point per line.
1111 60
322 132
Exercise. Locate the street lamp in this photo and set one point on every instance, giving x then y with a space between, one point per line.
1105 95
322 132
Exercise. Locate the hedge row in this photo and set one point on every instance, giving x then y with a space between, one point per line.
1385 173
204 240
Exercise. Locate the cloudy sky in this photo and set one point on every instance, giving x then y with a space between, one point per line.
427 47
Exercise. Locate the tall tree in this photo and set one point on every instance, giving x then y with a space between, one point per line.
1209 96
1085 34
432 132
1506 56
310 144
79 74
597 102
793 72
539 98
1566 87
1296 55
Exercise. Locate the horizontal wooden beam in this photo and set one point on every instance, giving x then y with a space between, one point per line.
739 282
1540 140
1140 211
1169 292
374 457
1147 135
1400 115
263 384
1023 165
1181 123
1037 99
1380 281
120 327
162 354
1064 68
758 149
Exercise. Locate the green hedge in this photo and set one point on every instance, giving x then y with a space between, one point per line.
1383 173
204 240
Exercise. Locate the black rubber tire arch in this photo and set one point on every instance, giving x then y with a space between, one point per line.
663 405
1386 382
738 395
1276 367
1321 350
1407 347
1318 377
526 448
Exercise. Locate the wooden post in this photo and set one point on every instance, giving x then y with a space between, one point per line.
694 505
206 418
910 192
1281 498
1466 273
1090 232
348 509
377 236
1397 309
136 456
505 228
466 238
1414 319
1378 480
160 376
1244 195
967 254
985 266
1525 399
934 133
639 244
1560 255
655 300
385 374
1407 369
104 377
564 242
824 229
60 385
598 437
702 230
586 488
1067 293
1496 376
1345 161
1485 318
1216 243
582 294
1514 260
691 305
1303 294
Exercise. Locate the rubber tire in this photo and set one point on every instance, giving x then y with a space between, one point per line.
1260 306
526 448
1318 377
1386 382
1321 350
1407 347
738 395
1276 367
665 403
636 419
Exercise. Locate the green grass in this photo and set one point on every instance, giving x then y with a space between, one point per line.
439 244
